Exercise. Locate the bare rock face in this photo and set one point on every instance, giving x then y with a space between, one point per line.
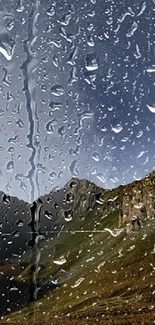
138 202
84 194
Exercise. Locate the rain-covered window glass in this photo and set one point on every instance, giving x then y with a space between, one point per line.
77 162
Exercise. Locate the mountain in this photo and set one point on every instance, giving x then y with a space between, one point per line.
91 260
14 218
54 211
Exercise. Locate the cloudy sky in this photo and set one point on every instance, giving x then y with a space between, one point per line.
77 93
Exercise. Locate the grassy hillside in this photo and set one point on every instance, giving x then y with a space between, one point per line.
93 272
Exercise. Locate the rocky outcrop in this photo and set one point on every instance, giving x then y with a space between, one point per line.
84 195
138 202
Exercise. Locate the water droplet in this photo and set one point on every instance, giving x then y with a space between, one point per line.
72 56
53 175
73 76
94 171
127 13
48 215
14 140
55 106
49 128
20 123
141 154
10 25
57 90
61 131
20 223
69 197
90 26
14 288
6 199
16 234
1 112
142 9
90 40
101 177
90 78
151 108
151 69
96 156
11 149
137 54
73 184
132 30
73 168
139 135
65 20
43 88
116 126
68 215
9 96
60 261
20 6
10 165
55 60
91 62
7 45
77 283
51 11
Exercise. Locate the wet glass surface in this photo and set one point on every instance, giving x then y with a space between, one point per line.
77 162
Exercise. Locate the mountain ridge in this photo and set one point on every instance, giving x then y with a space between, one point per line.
77 197
72 179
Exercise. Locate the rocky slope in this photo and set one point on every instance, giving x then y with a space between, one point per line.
138 202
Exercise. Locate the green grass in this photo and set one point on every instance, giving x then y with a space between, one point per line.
114 271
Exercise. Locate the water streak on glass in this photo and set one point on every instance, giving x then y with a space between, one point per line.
28 68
